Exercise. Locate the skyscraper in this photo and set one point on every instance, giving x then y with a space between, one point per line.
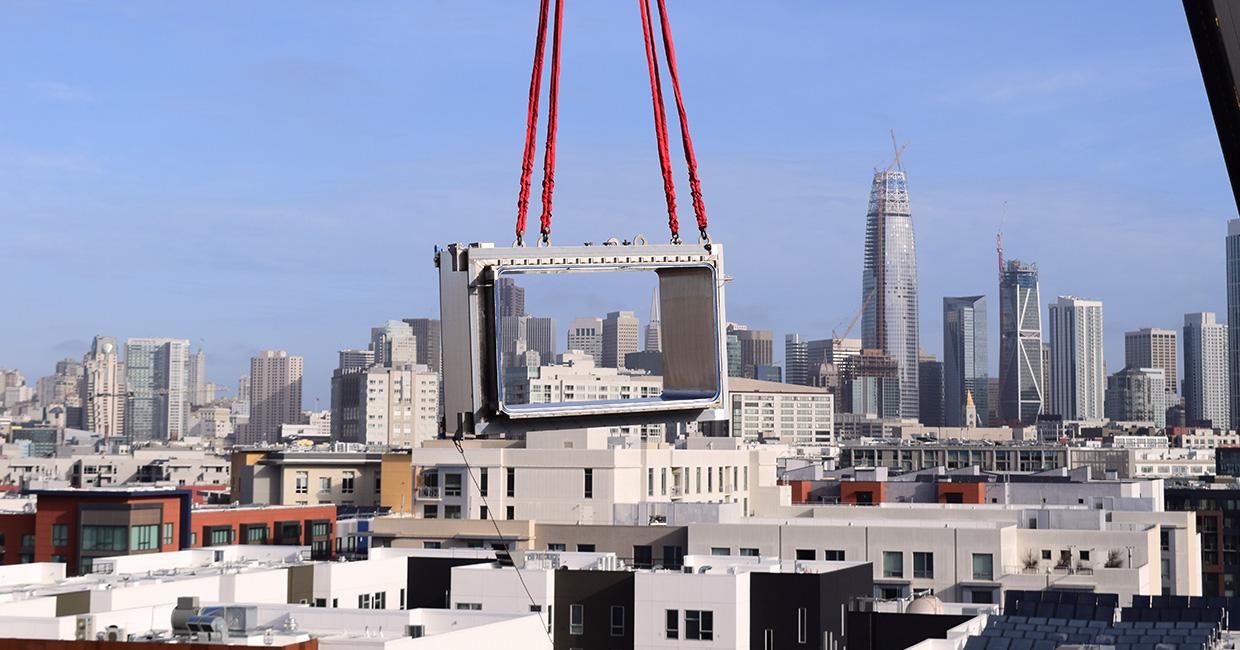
889 282
834 351
1206 380
394 344
540 337
757 349
1022 372
1137 395
275 396
586 335
871 385
619 337
734 354
513 339
930 382
1233 321
965 363
1154 348
426 332
511 298
653 340
796 351
196 376
350 360
103 388
1079 381
156 407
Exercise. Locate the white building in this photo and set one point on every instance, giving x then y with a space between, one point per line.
619 337
157 405
793 414
1078 373
1205 371
103 389
393 406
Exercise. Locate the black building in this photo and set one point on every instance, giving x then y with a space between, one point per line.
930 385
593 609
805 610
1218 524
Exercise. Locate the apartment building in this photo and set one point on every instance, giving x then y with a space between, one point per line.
790 413
145 466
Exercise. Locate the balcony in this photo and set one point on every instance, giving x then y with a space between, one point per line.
430 492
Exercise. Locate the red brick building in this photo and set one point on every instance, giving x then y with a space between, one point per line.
77 526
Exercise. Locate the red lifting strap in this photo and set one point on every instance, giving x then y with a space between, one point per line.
695 186
552 120
660 120
531 121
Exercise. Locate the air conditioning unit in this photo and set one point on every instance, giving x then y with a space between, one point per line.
114 633
85 629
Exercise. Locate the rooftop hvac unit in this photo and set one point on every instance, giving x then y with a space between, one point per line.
114 633
85 628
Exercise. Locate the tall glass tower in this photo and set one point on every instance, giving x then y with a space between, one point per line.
1022 390
965 365
1233 320
889 283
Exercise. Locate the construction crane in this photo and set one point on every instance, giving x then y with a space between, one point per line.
999 240
853 322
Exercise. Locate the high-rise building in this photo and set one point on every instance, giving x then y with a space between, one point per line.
768 373
1023 390
796 357
965 363
619 337
833 351
1046 374
653 340
930 382
1153 347
1078 384
1233 321
427 333
540 337
395 406
1137 395
586 335
157 406
196 376
275 396
734 354
757 348
354 360
394 344
511 298
871 385
103 388
1206 381
513 339
889 282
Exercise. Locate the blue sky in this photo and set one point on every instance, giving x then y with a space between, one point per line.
275 175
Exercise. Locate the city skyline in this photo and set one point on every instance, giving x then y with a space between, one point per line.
1078 99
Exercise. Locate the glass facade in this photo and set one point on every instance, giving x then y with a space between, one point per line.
965 362
889 319
1021 390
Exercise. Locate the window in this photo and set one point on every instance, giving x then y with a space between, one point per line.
219 536
512 482
346 483
673 556
320 529
556 547
753 552
144 537
256 534
169 532
482 481
379 601
576 619
430 512
983 566
470 606
28 541
893 564
643 557
452 512
301 484
698 479
402 598
663 481
1046 554
325 484
432 545
452 485
617 620
720 550
363 601
585 548
649 481
60 534
923 564
588 480
193 539
673 623
833 555
104 538
58 558
1084 556
801 624
804 554
482 512
510 512
710 484
699 624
